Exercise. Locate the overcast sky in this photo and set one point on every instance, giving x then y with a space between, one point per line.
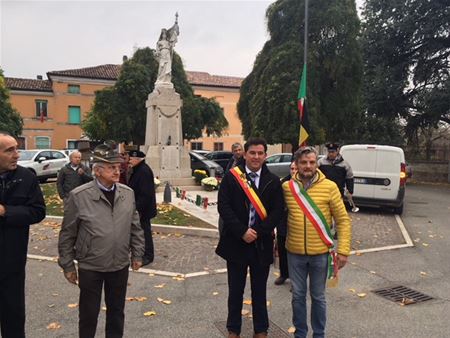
219 37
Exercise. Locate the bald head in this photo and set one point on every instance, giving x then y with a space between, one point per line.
75 158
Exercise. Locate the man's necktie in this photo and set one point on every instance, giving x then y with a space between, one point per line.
252 217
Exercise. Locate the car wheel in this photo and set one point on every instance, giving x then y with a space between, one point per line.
398 210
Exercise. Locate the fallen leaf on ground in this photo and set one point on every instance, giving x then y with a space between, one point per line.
373 272
268 303
423 273
245 312
164 301
276 274
425 244
151 274
103 308
178 278
72 306
137 299
51 305
160 286
247 302
291 330
215 293
406 301
358 253
54 326
352 290
149 313
361 295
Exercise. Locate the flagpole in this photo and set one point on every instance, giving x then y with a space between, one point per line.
305 50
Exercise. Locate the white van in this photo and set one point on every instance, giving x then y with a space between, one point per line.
379 173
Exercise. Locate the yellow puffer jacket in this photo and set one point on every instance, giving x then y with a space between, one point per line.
302 237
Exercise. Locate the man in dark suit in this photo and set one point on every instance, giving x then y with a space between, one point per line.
21 204
143 184
246 240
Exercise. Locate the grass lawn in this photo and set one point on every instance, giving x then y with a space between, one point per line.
167 213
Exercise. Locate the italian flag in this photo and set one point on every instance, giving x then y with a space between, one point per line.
304 123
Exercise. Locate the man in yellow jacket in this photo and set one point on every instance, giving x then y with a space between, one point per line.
312 201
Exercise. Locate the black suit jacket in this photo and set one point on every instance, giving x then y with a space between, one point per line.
143 184
233 206
22 197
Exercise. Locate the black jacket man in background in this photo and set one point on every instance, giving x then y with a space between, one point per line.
143 184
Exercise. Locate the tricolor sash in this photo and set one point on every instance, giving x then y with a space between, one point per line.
315 216
249 192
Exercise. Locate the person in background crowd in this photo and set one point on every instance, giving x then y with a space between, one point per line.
21 204
100 229
250 203
336 169
237 158
143 184
281 235
125 170
72 175
312 201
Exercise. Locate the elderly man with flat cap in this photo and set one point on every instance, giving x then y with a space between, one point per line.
143 184
100 229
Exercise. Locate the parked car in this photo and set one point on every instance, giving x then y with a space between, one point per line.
279 164
44 163
220 157
200 162
379 173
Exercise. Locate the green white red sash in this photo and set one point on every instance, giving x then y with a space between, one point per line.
249 192
315 216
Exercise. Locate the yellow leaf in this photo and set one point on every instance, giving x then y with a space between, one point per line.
149 313
291 329
215 293
151 274
352 290
358 253
103 308
51 305
373 272
167 302
423 273
160 286
276 273
53 326
361 295
247 302
425 244
268 303
72 306
245 312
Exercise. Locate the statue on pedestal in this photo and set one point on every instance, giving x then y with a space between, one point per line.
164 52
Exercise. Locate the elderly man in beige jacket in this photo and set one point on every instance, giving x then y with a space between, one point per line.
100 228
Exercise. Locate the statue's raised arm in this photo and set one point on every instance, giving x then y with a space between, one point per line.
164 52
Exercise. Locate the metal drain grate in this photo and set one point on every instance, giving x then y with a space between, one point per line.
403 295
247 329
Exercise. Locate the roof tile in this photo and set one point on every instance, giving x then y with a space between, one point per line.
13 83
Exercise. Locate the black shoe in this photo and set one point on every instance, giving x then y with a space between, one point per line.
146 260
280 280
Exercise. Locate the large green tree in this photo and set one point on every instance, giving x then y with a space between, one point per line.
407 63
10 119
268 101
119 112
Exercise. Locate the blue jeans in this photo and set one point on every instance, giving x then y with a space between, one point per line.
300 267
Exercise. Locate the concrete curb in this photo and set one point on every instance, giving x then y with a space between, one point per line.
167 229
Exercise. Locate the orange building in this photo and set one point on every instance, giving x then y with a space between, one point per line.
53 109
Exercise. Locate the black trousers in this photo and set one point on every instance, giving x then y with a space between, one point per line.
237 275
12 305
149 248
282 256
91 285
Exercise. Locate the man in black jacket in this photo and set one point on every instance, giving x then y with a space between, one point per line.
72 175
246 240
143 184
21 204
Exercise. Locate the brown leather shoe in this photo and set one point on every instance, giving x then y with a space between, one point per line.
260 335
233 335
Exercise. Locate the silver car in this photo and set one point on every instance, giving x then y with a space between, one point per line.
279 164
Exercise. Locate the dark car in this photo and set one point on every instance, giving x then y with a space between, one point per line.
220 157
200 162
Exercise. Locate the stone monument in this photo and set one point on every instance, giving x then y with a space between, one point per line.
166 154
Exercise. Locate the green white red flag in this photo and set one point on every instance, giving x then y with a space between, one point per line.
304 122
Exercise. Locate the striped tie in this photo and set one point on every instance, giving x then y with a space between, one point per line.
252 217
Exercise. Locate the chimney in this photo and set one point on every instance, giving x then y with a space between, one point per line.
39 77
124 58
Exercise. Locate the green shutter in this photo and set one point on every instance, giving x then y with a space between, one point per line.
74 115
42 142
